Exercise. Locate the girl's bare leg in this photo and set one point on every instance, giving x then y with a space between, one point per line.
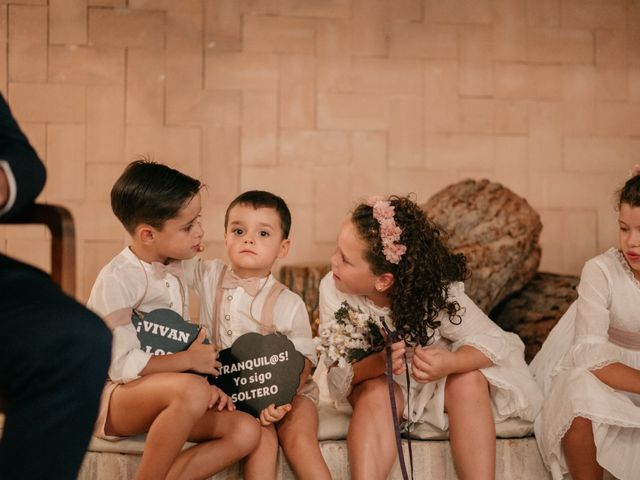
225 438
166 406
261 464
371 438
580 450
471 427
298 434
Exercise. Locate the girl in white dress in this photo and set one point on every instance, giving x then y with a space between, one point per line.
390 261
589 366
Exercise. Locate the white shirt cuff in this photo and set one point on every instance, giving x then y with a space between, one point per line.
11 181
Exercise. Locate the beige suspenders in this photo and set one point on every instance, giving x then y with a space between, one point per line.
266 319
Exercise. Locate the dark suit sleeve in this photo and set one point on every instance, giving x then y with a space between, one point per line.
27 169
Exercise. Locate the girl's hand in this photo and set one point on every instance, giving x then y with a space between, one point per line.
273 414
203 356
431 364
398 349
222 399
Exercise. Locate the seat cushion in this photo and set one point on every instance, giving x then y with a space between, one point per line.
334 424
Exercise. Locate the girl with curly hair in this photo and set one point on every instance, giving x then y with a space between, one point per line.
391 262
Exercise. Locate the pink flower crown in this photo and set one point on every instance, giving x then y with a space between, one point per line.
390 233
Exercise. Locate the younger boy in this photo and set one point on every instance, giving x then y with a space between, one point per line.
240 300
160 208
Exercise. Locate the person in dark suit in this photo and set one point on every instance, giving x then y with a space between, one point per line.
54 353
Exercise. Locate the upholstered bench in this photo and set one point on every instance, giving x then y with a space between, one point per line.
517 455
516 458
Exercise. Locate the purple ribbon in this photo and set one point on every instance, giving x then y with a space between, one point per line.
392 337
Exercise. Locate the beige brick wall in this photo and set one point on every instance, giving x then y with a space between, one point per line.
325 101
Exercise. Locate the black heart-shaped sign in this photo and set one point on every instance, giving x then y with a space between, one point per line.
258 370
163 331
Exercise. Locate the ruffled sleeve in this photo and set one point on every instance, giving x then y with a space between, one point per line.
591 349
338 377
474 328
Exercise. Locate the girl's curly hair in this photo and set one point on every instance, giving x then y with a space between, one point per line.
424 273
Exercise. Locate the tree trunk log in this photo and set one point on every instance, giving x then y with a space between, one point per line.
533 311
496 230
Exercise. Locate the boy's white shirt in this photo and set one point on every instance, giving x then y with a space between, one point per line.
121 285
290 315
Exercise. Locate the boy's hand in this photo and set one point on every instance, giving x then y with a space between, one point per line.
431 364
222 399
273 414
203 356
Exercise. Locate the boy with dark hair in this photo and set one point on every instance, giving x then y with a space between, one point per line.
247 298
261 199
135 201
160 208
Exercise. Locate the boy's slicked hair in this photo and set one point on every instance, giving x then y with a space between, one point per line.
151 193
262 199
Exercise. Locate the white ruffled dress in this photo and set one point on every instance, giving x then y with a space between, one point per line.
514 393
607 310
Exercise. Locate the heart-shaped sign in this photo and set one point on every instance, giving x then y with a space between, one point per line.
163 331
258 370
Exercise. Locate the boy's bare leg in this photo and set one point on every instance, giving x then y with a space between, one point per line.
580 450
371 438
298 434
166 406
261 464
226 437
471 426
